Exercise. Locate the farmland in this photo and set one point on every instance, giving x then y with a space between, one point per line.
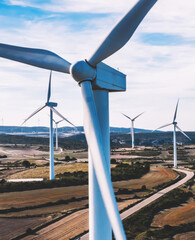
43 196
18 225
44 171
41 207
176 216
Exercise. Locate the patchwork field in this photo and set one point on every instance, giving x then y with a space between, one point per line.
43 196
176 216
69 226
77 222
156 176
43 172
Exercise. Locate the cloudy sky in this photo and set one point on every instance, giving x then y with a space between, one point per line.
158 60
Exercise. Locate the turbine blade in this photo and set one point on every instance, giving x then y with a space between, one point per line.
60 121
122 32
126 116
94 140
35 57
137 116
35 112
60 115
175 111
183 133
166 125
49 88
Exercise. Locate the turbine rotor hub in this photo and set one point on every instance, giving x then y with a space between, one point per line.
51 104
82 71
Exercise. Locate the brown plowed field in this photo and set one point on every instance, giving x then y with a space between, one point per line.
35 197
47 210
156 176
63 230
176 216
185 236
69 226
13 227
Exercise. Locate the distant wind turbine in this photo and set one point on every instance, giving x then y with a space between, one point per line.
56 129
51 105
132 127
174 123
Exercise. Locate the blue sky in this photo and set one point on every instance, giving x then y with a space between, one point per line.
161 39
158 60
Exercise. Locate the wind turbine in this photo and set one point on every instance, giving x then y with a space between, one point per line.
132 127
175 126
96 80
51 105
56 130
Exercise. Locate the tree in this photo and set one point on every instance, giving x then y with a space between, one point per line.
67 158
113 161
26 164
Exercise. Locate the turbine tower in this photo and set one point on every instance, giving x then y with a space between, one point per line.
175 126
56 129
51 105
132 127
96 80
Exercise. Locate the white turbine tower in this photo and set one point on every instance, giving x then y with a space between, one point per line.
51 105
56 130
175 126
96 80
132 127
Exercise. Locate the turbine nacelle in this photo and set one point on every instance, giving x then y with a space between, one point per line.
51 104
102 77
82 71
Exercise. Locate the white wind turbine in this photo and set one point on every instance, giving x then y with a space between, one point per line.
51 105
56 130
132 127
96 80
175 126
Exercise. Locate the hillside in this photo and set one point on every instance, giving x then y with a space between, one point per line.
63 131
118 139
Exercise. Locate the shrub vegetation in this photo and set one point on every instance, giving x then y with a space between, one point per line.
119 173
125 171
141 221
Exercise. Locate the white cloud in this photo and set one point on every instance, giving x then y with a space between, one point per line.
156 75
94 6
